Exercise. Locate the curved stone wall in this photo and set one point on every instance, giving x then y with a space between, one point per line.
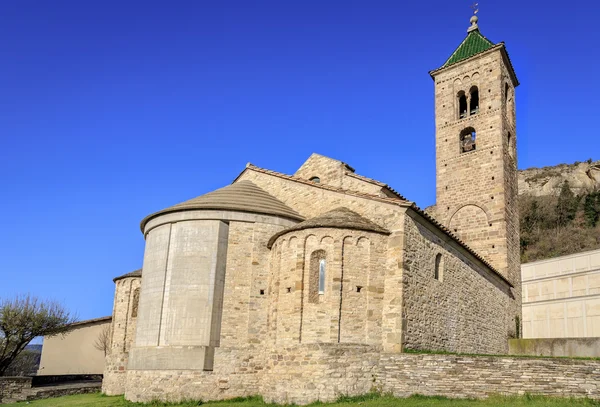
186 264
349 308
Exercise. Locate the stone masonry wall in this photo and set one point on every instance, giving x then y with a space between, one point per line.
14 388
462 311
479 377
127 291
305 373
350 308
237 373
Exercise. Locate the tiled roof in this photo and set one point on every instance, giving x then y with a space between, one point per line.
92 321
242 196
339 218
135 273
473 44
395 201
378 183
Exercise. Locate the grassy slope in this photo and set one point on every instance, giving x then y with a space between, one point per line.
98 400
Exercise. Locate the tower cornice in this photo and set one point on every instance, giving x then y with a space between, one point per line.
498 47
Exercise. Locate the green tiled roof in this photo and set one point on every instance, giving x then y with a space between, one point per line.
473 44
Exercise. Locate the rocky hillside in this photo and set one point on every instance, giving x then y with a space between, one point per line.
581 176
559 210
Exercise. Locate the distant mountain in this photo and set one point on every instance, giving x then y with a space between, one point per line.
559 210
34 348
581 176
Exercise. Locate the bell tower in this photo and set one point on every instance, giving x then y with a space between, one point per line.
476 159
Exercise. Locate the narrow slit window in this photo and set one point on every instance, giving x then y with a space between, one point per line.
439 267
322 276
316 279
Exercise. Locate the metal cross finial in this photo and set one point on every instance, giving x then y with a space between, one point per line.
475 7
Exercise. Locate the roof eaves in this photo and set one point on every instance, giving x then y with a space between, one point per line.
378 183
315 185
447 231
442 68
91 321
402 203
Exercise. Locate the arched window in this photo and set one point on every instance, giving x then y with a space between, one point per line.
474 101
439 267
468 140
316 180
462 105
316 279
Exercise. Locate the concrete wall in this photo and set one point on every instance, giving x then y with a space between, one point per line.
561 297
563 347
75 353
182 294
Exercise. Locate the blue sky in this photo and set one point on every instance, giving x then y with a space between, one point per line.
111 110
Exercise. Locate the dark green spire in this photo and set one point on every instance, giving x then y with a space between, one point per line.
473 44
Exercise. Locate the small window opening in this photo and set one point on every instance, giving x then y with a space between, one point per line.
474 102
439 267
316 180
468 140
462 105
358 288
316 279
505 92
262 292
289 289
322 276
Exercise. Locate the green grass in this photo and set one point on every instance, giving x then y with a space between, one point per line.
369 400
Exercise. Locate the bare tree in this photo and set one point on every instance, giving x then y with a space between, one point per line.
24 318
102 343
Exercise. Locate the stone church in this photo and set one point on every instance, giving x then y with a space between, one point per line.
296 287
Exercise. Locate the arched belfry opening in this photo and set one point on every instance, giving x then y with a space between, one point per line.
468 140
474 101
462 105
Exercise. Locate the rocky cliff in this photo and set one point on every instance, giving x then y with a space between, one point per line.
584 176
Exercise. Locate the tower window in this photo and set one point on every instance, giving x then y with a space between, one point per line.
439 267
462 105
316 180
468 140
316 279
506 92
474 101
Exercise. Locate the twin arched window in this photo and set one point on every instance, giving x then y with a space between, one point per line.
468 105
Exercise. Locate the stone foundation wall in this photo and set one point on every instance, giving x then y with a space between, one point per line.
237 373
478 377
14 388
305 373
